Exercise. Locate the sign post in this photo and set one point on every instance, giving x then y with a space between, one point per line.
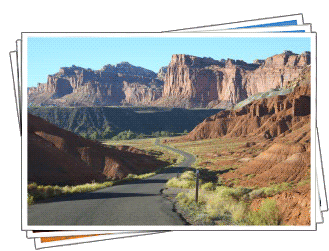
197 186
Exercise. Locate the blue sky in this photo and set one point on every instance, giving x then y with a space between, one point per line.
47 54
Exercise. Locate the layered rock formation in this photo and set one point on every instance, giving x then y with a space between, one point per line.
281 124
57 156
112 85
278 134
268 117
162 72
187 82
203 82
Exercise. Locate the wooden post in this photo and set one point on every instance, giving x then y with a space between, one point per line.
197 186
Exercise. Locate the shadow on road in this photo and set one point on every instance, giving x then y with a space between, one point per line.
97 196
179 169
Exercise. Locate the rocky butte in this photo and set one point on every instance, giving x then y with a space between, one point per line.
112 85
187 82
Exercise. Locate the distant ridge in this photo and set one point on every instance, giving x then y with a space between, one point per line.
187 82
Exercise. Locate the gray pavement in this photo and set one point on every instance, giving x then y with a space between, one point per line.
133 203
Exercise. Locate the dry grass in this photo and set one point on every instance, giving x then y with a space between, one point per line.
217 154
227 206
41 192
152 149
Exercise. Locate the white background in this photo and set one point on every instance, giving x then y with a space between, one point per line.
101 16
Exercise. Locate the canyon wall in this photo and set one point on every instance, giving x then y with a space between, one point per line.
204 82
187 82
112 85
266 118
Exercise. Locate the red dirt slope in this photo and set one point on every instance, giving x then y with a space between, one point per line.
266 117
294 206
57 156
281 123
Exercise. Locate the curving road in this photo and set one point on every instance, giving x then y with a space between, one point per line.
134 203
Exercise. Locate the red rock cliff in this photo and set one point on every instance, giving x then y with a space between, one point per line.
269 117
192 81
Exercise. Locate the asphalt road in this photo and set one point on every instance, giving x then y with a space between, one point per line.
134 203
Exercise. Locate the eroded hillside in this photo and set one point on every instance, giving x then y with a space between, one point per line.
263 146
57 156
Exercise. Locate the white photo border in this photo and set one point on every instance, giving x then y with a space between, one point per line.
25 225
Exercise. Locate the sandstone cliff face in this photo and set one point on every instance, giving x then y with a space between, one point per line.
188 81
138 94
162 72
277 71
268 118
209 83
111 85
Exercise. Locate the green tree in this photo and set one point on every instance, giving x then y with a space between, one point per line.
141 136
125 135
94 135
107 133
156 134
84 134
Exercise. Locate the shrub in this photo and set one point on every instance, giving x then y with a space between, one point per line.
139 176
267 214
258 193
180 183
227 206
30 199
94 136
225 192
220 181
36 192
188 175
250 176
125 135
107 133
186 180
270 191
84 134
209 186
184 199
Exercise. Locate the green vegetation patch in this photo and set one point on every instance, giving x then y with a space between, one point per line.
267 214
222 205
270 191
226 206
108 122
40 192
